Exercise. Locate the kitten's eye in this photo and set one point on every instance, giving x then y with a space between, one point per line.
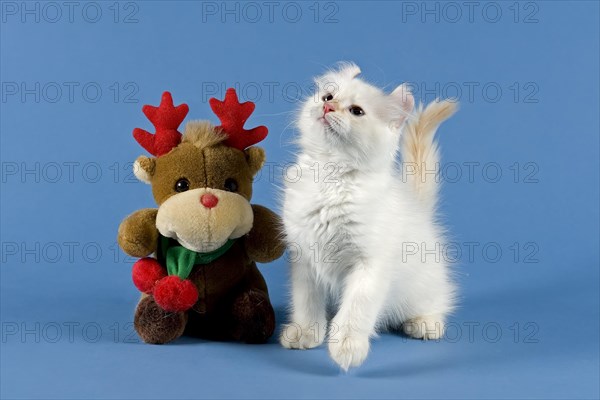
327 97
356 110
182 185
231 185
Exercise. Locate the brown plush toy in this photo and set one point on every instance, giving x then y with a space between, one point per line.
205 234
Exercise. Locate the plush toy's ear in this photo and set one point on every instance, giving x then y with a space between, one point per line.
256 158
403 104
143 168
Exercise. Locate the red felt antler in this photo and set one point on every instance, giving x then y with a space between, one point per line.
233 115
166 119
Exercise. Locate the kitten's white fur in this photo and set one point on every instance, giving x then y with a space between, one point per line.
353 223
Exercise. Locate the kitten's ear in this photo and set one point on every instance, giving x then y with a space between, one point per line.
403 105
349 70
330 82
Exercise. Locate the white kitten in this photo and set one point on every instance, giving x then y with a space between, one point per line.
364 237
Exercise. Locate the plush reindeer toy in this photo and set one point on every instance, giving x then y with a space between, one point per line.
205 234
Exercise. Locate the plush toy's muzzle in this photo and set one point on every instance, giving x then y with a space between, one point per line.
204 219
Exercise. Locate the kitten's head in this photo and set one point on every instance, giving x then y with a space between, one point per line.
352 118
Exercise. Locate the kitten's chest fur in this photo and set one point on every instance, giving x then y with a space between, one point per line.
323 209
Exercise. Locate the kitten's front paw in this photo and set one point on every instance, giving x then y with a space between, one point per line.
294 336
348 349
429 327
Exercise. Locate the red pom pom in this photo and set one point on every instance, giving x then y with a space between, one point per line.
146 272
174 294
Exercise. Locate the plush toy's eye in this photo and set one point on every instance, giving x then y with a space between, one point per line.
231 185
356 110
327 97
182 185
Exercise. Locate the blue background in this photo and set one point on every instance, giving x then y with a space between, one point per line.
528 325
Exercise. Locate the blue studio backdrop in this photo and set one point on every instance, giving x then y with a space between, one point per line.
520 195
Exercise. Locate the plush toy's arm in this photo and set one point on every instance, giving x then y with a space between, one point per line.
138 235
264 242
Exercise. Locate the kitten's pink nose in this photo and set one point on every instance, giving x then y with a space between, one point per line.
209 200
327 108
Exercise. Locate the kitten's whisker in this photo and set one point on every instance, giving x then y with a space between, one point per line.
275 114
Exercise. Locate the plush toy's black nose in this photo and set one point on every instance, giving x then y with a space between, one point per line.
209 200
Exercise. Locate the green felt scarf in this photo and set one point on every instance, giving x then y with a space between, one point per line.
180 260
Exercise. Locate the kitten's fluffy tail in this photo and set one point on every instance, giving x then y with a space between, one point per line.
420 151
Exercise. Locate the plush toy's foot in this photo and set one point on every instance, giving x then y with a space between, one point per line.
155 325
254 317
